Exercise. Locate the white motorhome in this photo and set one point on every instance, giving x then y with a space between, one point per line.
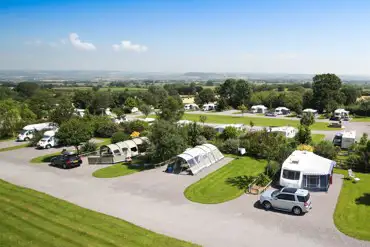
27 132
341 113
209 107
281 110
287 131
258 109
188 107
345 139
48 140
310 111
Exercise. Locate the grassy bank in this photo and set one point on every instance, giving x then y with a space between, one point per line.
258 121
13 147
352 212
226 183
31 218
316 138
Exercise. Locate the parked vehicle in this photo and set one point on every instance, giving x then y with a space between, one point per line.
27 132
282 110
270 114
258 109
209 107
287 199
344 139
67 160
341 113
48 140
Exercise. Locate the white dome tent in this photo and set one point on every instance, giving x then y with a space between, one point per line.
193 160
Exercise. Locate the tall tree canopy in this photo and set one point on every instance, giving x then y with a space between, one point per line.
171 110
235 92
205 96
27 89
326 88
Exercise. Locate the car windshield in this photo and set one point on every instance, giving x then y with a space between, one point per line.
23 132
275 193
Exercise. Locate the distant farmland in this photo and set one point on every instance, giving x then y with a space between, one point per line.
117 89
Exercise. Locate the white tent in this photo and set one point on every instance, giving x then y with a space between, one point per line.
193 160
303 169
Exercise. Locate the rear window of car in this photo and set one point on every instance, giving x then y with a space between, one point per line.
304 198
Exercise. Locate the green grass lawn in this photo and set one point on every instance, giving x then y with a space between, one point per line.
221 185
7 139
13 147
223 119
119 170
352 213
361 119
30 218
317 137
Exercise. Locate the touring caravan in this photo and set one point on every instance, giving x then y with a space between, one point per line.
189 107
282 111
259 109
287 131
310 111
48 140
209 107
341 113
27 132
344 139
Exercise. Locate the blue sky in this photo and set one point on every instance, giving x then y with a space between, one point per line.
284 36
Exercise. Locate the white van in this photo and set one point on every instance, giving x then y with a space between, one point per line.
209 107
341 113
48 140
27 132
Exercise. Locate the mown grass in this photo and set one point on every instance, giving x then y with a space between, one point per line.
224 119
316 138
361 119
352 213
7 139
217 186
30 218
117 170
14 147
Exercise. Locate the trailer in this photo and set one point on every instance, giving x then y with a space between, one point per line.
344 139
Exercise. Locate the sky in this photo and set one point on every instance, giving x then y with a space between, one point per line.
266 36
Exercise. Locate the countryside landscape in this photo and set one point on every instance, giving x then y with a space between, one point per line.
174 139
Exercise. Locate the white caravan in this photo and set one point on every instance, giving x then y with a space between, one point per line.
48 140
341 113
310 111
188 107
281 110
259 109
209 107
345 139
27 132
287 131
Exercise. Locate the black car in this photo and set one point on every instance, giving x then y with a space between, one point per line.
66 161
270 114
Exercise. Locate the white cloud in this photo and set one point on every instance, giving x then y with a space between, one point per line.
35 42
127 45
76 42
63 41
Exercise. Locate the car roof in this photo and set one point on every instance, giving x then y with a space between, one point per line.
299 192
289 190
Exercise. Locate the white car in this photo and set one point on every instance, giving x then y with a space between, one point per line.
287 199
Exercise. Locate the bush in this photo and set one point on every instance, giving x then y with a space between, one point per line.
89 147
304 147
230 146
262 180
37 135
119 136
107 130
201 140
209 132
137 125
230 133
327 150
272 169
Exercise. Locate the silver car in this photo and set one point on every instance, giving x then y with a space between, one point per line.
287 199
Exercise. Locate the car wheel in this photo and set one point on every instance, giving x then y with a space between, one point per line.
26 139
297 211
64 166
48 146
267 205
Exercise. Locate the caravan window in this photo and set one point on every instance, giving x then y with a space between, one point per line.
292 175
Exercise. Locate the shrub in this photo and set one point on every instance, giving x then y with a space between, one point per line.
326 149
107 130
201 140
119 136
230 146
137 125
229 133
262 180
304 147
37 135
209 132
272 169
89 147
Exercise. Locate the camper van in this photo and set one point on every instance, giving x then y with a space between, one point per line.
344 139
282 111
258 109
287 131
341 113
27 132
48 140
209 107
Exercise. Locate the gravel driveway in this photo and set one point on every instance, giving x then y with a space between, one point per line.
154 200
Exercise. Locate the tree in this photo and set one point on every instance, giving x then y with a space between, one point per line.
251 123
243 109
166 141
83 98
307 119
119 136
130 102
221 104
326 88
202 119
62 113
326 149
229 133
235 92
308 99
145 109
107 130
42 102
74 132
193 132
157 96
303 135
27 89
351 94
205 96
6 93
171 110
209 83
209 132
101 101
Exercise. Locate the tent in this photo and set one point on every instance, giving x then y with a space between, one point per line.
303 169
193 160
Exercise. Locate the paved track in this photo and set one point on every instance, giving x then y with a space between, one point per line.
155 200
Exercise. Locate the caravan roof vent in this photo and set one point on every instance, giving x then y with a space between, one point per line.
295 161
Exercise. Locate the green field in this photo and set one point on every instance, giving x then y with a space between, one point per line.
226 183
361 119
352 213
117 170
258 121
316 138
114 89
30 218
13 147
